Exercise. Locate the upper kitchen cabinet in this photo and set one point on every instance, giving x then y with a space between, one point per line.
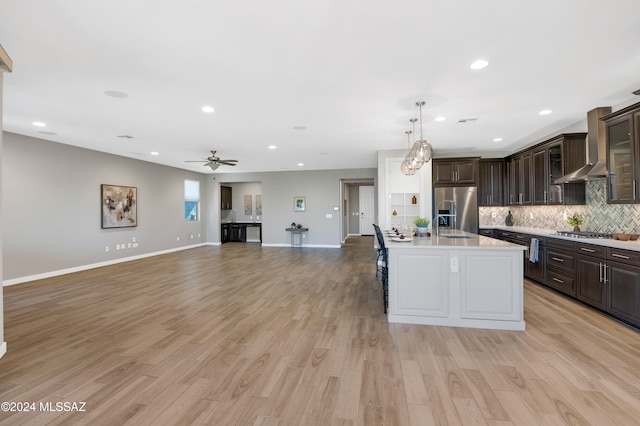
226 198
553 159
455 171
622 133
519 167
491 183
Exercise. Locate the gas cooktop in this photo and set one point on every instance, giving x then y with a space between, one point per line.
583 234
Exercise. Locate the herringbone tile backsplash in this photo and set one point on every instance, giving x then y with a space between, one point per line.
598 215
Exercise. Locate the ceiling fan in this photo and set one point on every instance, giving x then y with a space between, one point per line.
214 161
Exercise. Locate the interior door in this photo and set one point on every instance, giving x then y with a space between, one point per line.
366 210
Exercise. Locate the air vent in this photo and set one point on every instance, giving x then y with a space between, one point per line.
467 120
125 136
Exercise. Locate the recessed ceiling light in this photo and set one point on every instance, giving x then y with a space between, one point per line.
300 164
155 153
39 124
479 64
497 139
299 127
272 147
545 112
441 118
207 109
116 94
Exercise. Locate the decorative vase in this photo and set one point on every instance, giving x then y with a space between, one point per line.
422 230
509 220
576 228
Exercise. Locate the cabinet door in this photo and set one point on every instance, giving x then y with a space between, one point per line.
225 198
540 175
525 179
556 167
443 172
591 289
466 172
536 271
491 183
621 164
624 291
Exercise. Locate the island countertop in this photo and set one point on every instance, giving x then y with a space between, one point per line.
459 240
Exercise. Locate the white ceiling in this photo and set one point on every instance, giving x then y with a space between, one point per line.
350 72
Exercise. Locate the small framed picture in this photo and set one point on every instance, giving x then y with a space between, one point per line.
299 204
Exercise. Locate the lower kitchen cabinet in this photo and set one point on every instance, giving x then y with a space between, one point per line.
561 266
624 291
591 288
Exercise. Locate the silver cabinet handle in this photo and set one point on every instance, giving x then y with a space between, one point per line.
605 273
620 256
558 280
587 249
600 272
558 260
634 189
545 197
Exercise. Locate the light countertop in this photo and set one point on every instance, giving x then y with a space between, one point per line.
551 233
472 241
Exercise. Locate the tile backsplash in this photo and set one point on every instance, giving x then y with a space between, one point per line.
598 215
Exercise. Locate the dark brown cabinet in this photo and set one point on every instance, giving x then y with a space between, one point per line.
552 160
491 183
520 179
624 291
591 285
560 263
458 171
226 198
622 132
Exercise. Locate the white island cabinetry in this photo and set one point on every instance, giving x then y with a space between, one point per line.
463 282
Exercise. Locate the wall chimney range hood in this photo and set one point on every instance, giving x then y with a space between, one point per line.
596 166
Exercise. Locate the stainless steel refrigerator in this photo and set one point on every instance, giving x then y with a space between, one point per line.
456 208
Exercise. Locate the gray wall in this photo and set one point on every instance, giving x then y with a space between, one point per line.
51 194
321 189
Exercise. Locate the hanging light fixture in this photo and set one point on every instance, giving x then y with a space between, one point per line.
408 167
423 151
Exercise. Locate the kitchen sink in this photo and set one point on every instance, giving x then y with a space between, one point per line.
454 236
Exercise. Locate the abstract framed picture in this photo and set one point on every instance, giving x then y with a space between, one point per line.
259 205
299 204
119 206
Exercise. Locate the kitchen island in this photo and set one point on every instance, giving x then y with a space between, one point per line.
460 280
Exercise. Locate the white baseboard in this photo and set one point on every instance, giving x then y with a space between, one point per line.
3 349
50 274
303 246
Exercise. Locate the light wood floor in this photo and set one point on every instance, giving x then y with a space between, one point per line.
241 334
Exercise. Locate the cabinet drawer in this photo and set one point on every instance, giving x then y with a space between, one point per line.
560 260
591 250
561 245
561 282
487 233
521 238
623 256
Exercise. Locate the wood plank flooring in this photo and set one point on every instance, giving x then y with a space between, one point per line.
248 335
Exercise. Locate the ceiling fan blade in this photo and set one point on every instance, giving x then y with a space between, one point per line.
228 162
196 161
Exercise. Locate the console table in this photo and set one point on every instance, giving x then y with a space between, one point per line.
299 232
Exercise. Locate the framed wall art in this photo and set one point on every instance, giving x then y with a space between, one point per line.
119 206
299 204
259 205
248 208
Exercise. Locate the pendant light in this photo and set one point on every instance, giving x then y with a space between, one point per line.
423 150
408 167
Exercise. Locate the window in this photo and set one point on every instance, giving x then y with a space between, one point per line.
191 200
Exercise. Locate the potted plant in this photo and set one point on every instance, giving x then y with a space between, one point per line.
422 224
575 220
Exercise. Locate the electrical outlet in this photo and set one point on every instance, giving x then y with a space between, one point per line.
494 215
530 215
106 248
134 240
128 245
177 238
117 246
135 245
191 236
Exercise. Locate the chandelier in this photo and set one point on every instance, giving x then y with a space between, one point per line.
420 153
